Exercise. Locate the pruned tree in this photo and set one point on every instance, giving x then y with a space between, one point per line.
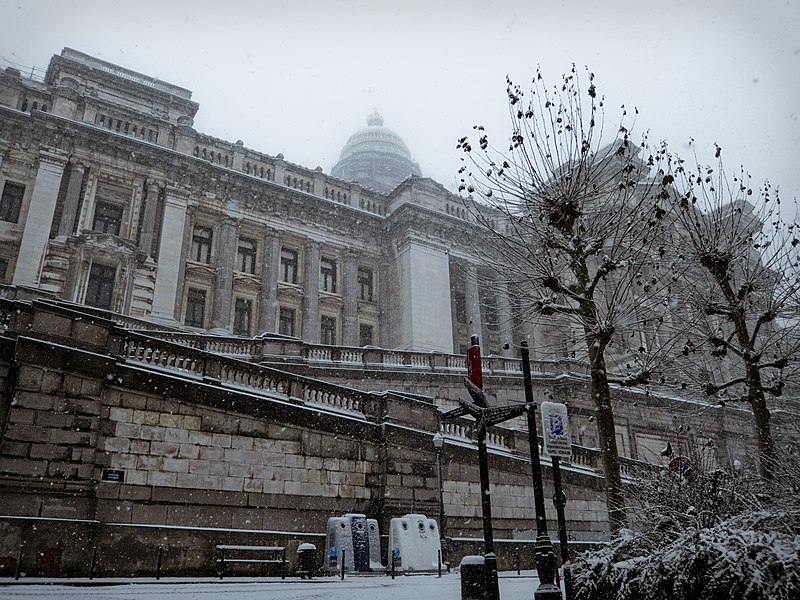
578 219
746 345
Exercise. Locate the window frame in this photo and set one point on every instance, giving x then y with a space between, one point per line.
366 284
361 328
246 261
7 211
327 275
245 314
103 216
289 265
327 330
292 320
202 246
100 287
202 295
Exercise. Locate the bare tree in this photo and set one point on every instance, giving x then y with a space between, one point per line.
577 220
747 344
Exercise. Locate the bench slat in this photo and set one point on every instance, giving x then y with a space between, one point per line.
264 548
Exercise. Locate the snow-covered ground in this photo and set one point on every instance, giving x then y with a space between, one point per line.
418 587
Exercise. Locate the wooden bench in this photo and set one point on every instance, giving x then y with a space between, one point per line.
232 554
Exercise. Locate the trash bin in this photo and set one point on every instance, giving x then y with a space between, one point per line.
306 560
473 578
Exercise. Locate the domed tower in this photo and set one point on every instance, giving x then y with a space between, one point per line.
376 157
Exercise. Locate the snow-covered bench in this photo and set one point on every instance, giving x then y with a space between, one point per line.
231 554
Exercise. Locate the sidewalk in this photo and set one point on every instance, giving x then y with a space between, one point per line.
416 587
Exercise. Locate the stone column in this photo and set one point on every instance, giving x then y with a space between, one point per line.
505 318
169 254
385 335
71 201
39 219
270 272
473 302
350 300
311 293
226 255
149 217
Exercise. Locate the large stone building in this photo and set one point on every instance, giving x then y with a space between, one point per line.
201 339
111 199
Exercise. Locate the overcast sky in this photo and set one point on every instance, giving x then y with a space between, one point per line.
298 77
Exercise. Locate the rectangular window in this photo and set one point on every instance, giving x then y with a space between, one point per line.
286 321
107 218
100 288
327 275
288 265
365 284
327 331
365 335
3 268
242 316
246 258
201 244
195 308
11 201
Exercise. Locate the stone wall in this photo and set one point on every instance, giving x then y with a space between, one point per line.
116 444
105 453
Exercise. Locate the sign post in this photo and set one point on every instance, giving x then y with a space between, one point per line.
558 445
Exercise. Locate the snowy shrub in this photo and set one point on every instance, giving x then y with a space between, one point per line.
746 557
717 536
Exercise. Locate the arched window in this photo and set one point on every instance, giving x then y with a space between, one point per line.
196 151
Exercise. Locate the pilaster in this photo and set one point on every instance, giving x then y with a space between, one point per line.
350 300
39 218
221 307
311 293
71 201
169 252
149 217
270 268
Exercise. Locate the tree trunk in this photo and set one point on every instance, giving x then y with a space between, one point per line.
601 395
761 416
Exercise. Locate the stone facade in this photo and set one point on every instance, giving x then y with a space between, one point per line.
115 435
128 439
110 198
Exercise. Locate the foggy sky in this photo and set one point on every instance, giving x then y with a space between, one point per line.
298 77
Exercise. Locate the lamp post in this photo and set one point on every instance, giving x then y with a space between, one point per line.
438 442
543 550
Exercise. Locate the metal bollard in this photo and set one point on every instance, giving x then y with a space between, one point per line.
19 560
91 564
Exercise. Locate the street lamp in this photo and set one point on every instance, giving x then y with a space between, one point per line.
438 442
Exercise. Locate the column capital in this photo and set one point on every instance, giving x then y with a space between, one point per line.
77 164
53 157
154 186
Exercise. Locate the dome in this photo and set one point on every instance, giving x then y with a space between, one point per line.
376 157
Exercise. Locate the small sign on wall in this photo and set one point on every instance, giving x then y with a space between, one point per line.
115 475
555 427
